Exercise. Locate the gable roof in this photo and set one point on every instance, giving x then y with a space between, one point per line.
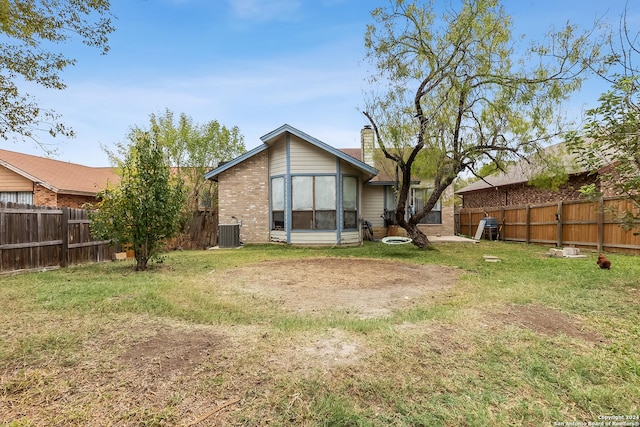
58 176
270 137
525 169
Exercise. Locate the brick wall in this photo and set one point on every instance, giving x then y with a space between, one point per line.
524 194
42 196
243 192
74 201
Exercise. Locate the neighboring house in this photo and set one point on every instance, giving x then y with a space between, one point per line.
513 187
296 189
40 181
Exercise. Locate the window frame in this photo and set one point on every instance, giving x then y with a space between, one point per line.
344 204
435 216
5 196
280 213
318 206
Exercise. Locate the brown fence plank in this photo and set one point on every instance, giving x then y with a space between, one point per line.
35 237
575 222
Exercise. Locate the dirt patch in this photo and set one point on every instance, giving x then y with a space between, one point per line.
545 321
171 351
364 287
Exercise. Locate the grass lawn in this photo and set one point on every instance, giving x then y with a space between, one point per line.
375 335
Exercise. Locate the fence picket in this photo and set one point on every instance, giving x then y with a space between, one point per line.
578 223
35 237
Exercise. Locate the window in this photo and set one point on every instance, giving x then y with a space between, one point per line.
350 202
277 203
313 203
24 197
420 197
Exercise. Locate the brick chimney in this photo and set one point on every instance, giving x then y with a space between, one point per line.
367 145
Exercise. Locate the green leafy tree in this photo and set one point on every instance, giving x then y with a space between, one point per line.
145 208
459 89
609 144
194 149
30 30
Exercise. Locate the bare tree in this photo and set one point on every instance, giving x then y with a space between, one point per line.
455 87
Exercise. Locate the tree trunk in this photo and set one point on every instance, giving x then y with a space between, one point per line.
141 262
418 238
142 256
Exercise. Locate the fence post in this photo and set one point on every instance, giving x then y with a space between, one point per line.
527 226
600 224
560 220
64 252
2 214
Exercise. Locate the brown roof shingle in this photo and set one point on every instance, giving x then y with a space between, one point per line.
524 170
59 176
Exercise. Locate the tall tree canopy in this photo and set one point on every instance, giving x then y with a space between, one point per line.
609 143
30 31
194 149
145 208
458 86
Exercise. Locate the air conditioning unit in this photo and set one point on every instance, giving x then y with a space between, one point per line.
228 235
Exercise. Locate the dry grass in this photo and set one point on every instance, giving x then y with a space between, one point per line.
281 336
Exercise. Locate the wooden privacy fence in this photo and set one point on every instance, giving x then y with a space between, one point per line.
33 238
565 223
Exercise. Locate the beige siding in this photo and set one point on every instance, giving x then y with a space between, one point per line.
278 158
306 158
347 169
373 204
350 237
11 181
325 238
279 236
322 238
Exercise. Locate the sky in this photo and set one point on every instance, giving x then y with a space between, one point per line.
255 64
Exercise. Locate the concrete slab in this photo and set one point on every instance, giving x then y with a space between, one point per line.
565 253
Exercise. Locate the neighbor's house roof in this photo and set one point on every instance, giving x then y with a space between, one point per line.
524 170
271 137
58 176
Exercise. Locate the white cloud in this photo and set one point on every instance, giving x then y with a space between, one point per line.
314 91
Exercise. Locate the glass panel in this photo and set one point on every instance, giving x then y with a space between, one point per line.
302 193
350 220
325 220
277 194
25 197
325 187
278 220
433 217
8 197
349 193
420 197
302 220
